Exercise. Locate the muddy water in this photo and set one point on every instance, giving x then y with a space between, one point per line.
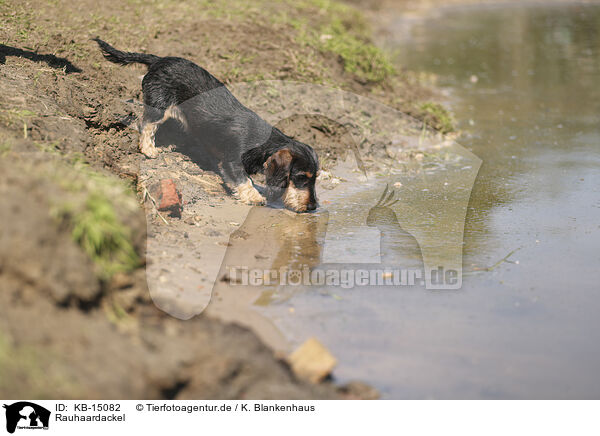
523 83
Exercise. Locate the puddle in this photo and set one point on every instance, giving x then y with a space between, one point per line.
523 83
521 321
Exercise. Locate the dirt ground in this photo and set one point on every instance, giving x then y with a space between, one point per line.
76 316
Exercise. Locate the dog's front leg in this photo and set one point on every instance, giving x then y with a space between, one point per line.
243 187
147 145
248 194
152 120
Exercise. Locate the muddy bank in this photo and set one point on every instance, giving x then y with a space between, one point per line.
76 217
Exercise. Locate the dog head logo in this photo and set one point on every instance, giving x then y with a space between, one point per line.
26 415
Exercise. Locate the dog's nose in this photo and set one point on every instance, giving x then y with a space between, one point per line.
311 206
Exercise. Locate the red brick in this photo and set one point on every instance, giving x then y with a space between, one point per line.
168 197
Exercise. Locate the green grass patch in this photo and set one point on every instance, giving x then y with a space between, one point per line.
343 31
91 214
28 372
14 117
437 116
103 237
16 364
21 366
360 57
17 19
5 147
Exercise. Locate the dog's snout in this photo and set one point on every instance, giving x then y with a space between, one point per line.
311 206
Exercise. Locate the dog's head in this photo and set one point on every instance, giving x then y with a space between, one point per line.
290 174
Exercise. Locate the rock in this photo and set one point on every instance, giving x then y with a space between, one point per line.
168 197
358 391
312 361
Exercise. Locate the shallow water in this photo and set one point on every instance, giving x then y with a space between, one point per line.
523 83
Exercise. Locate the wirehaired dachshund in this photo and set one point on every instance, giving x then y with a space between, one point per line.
235 139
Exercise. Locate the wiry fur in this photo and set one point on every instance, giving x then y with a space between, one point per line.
296 199
232 136
248 193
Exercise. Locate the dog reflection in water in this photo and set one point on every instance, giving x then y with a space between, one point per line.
398 248
269 241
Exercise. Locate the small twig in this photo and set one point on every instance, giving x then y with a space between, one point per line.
422 136
504 259
147 195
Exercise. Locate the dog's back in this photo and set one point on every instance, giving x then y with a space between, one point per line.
172 81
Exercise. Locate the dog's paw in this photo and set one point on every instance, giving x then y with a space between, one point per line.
149 152
247 193
146 144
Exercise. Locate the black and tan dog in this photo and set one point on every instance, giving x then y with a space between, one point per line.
239 141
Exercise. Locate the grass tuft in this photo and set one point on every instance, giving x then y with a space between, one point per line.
359 57
437 116
343 31
103 237
95 225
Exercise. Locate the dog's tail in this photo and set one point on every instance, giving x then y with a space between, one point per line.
124 58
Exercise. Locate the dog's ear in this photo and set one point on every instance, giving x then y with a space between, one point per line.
277 171
278 165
